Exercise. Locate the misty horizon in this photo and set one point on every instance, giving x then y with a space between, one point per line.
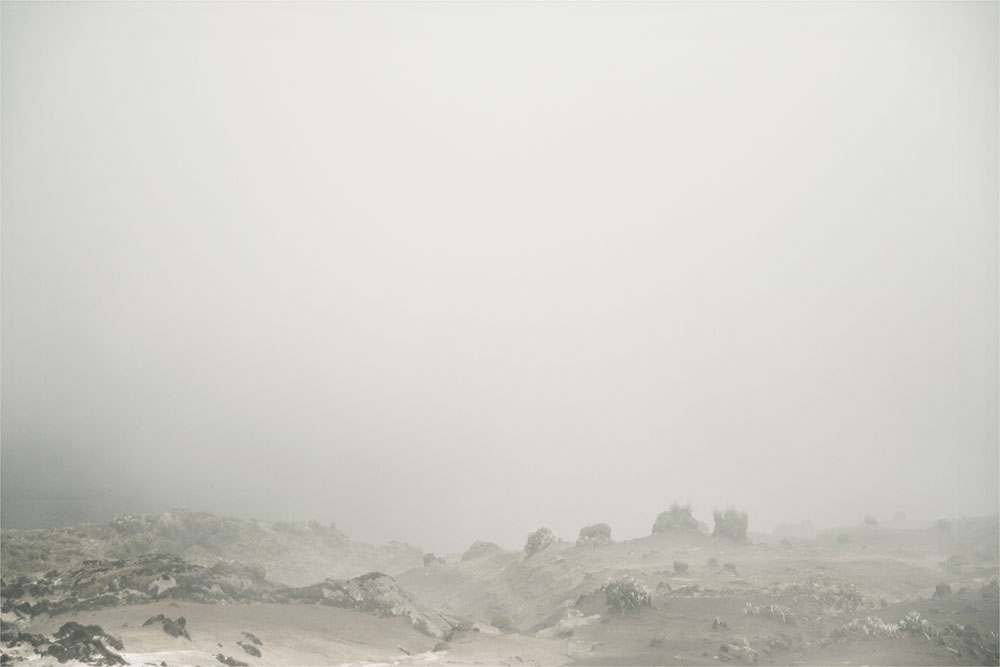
440 272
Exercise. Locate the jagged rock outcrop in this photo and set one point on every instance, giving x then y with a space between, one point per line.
378 594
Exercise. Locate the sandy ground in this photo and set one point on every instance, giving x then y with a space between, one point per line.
699 617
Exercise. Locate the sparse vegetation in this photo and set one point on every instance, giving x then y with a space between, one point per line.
775 612
713 562
481 549
680 567
955 563
430 559
870 520
730 567
843 538
626 594
731 524
538 541
503 624
594 535
678 519
942 590
944 525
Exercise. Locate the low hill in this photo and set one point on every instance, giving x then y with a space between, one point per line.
290 553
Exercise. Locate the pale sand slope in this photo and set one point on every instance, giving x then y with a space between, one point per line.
294 635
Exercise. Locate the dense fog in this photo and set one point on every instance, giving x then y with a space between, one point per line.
441 272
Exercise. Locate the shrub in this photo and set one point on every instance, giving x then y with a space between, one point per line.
955 563
942 590
731 567
594 535
538 541
943 525
713 562
626 594
503 624
677 519
843 538
429 559
871 520
680 567
731 524
480 549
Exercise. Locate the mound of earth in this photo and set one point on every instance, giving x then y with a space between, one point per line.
101 584
295 554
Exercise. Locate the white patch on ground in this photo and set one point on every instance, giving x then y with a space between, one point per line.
182 657
572 619
426 658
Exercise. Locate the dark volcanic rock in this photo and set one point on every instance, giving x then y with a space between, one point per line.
249 648
173 628
84 643
103 583
252 637
377 594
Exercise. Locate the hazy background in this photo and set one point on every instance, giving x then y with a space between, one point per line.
444 272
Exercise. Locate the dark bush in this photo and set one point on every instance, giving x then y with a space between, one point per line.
731 524
430 559
843 538
871 520
942 590
680 567
626 594
539 540
678 519
594 535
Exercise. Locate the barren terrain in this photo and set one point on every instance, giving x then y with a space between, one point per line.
924 594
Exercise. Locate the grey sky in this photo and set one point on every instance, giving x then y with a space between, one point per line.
442 272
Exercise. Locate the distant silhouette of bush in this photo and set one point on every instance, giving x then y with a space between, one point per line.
538 541
943 525
942 590
731 524
713 562
430 559
843 538
481 549
626 594
503 624
955 563
680 567
678 519
871 520
594 535
729 567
